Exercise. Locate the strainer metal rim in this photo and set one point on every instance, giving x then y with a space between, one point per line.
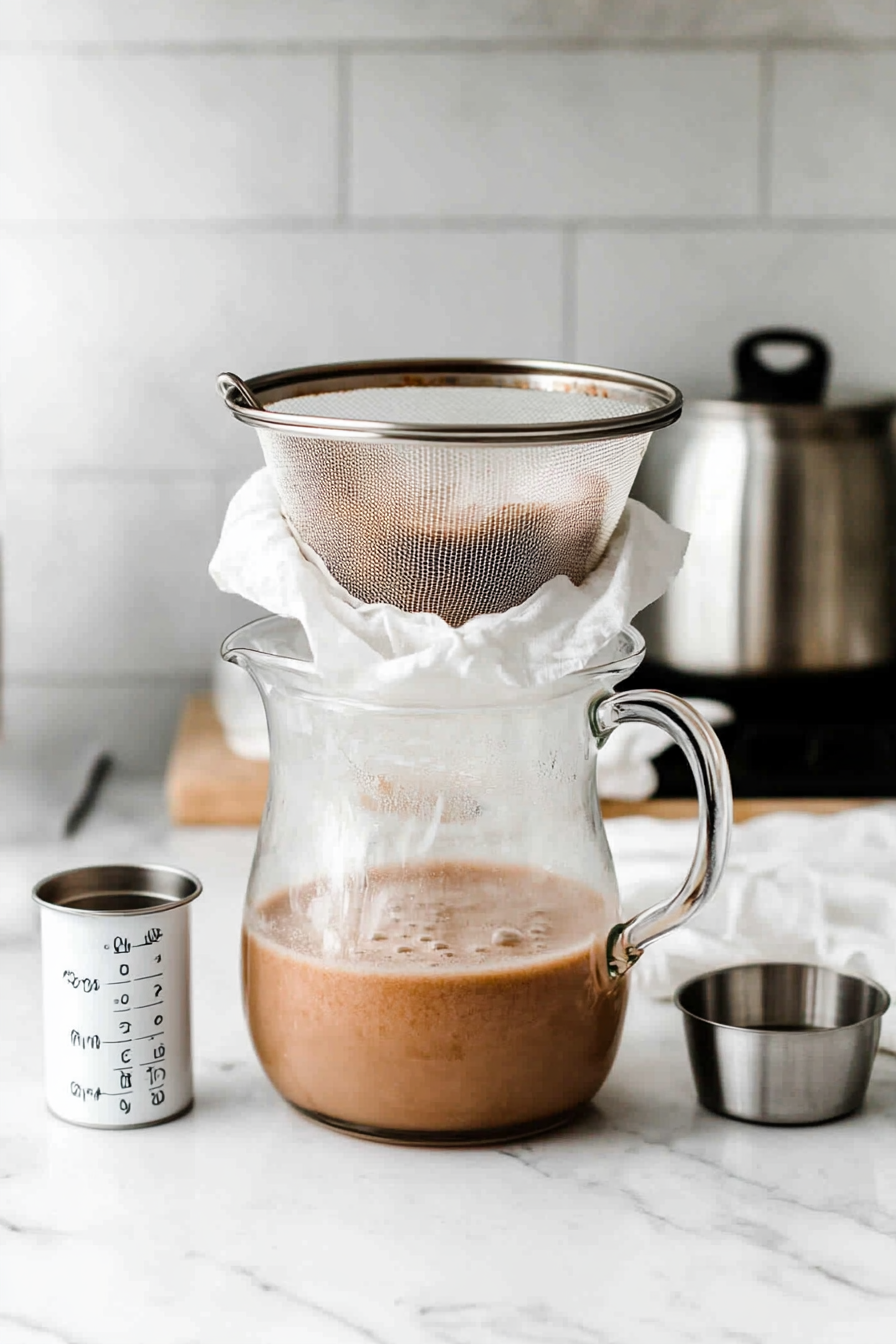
247 400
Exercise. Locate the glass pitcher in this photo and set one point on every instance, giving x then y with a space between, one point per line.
432 945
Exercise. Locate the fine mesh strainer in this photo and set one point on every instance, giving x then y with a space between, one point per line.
453 486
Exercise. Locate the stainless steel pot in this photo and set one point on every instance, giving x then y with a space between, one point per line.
791 506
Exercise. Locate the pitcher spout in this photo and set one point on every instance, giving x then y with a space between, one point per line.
271 640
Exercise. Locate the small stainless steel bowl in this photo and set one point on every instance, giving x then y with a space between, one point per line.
780 1043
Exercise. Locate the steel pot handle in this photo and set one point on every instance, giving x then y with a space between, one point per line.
802 386
703 750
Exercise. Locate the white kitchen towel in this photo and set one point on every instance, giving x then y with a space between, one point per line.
797 887
363 648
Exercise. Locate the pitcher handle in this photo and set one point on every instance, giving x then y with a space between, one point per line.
703 750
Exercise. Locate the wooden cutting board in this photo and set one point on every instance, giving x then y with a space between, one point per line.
207 785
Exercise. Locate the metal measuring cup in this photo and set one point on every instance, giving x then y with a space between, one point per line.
115 952
782 1043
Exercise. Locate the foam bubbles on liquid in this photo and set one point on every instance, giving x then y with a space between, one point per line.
506 937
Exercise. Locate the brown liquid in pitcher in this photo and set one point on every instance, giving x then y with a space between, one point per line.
433 1018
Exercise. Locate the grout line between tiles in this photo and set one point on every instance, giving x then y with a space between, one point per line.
343 133
644 45
328 224
370 224
766 127
118 475
176 49
569 281
105 681
444 45
224 490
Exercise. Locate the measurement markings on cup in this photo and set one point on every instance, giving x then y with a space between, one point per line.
153 1073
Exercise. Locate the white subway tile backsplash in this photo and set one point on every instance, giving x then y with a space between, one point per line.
673 304
834 134
188 187
131 135
410 20
270 20
554 133
107 576
134 720
112 341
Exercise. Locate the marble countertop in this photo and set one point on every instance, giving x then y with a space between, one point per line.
649 1222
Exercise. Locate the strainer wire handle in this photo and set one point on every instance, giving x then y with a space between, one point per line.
704 753
236 393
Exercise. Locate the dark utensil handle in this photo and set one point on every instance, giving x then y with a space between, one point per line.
804 385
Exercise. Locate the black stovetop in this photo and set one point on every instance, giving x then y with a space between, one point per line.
818 735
